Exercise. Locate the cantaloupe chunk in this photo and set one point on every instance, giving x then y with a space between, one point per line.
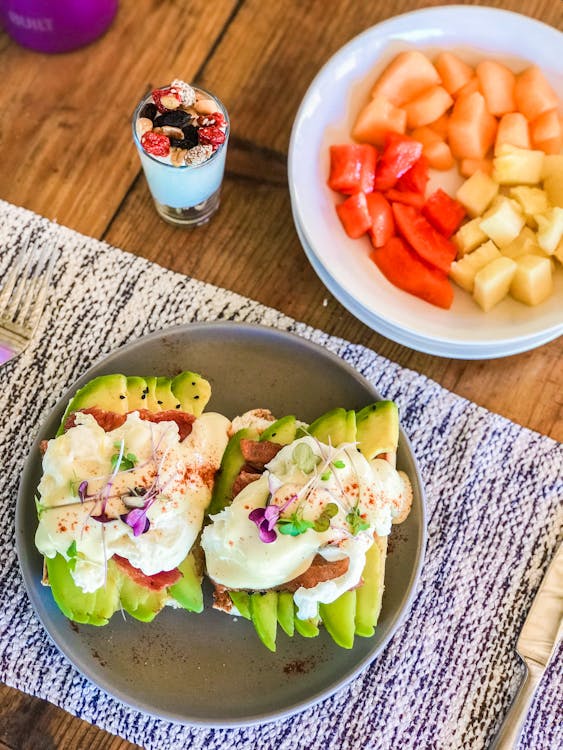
470 88
551 145
376 119
533 94
428 106
440 126
439 156
472 128
546 132
477 193
436 151
407 75
496 83
493 282
513 129
467 167
453 71
532 282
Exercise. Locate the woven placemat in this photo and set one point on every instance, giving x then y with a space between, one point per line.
494 492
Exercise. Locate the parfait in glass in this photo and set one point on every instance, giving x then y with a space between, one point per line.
181 134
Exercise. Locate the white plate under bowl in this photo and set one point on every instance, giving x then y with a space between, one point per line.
382 326
326 116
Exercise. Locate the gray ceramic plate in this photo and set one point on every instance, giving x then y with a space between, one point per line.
209 669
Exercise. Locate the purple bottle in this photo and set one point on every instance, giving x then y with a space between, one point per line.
56 25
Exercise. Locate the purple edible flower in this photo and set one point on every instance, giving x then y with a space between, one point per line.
137 519
102 518
267 518
82 491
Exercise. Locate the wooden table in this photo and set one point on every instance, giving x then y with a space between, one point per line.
67 154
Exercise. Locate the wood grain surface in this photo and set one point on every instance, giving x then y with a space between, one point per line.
67 154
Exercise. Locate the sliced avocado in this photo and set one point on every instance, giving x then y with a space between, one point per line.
231 464
165 399
135 391
369 594
307 628
338 618
192 391
241 600
263 613
334 427
187 591
91 609
378 428
106 391
139 601
286 616
150 392
281 431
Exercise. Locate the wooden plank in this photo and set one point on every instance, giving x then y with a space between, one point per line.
28 723
67 151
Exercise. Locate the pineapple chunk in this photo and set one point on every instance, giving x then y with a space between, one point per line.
532 282
552 164
553 186
559 252
476 193
525 244
469 236
517 166
550 229
503 223
463 271
493 282
532 200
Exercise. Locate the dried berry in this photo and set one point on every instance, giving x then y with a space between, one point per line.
211 135
148 111
216 118
189 140
166 99
155 144
177 119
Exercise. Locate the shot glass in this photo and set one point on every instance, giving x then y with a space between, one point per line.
184 194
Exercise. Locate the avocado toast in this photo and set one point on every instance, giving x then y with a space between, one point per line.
121 502
299 522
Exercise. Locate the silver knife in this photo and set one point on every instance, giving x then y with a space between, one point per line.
538 640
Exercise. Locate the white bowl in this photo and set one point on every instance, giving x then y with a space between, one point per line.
326 116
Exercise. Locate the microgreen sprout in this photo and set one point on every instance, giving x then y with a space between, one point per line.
355 521
338 464
326 475
39 506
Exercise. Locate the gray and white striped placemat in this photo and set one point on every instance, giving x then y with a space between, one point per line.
494 495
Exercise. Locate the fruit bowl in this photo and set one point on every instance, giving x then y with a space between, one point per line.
326 116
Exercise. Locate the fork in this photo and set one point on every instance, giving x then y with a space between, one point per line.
23 296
